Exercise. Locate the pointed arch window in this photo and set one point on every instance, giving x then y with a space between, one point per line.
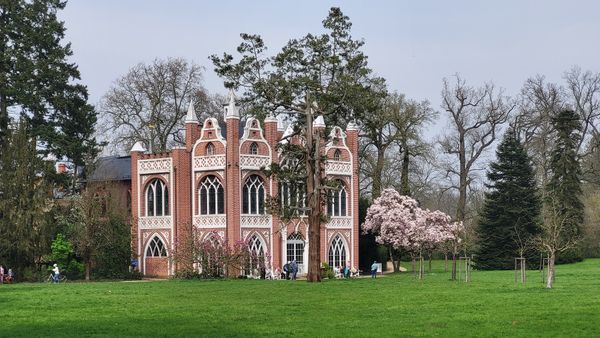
253 196
337 204
254 148
212 196
257 254
210 149
337 155
156 248
337 252
295 248
157 198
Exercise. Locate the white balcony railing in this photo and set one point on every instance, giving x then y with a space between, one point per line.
256 221
155 222
210 221
155 165
338 168
254 162
205 163
340 222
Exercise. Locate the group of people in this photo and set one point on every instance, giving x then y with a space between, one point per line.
345 272
290 269
6 277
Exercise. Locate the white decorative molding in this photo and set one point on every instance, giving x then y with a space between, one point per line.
254 162
337 222
338 168
155 165
210 221
155 222
256 221
206 163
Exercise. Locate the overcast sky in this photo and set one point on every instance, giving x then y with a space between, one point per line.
413 44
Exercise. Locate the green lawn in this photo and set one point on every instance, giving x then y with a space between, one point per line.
399 305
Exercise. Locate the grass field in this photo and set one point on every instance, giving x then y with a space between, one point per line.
398 305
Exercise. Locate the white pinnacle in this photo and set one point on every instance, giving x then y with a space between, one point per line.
191 114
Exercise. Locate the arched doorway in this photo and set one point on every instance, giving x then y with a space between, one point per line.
295 250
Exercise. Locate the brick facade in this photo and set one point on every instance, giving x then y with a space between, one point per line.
174 180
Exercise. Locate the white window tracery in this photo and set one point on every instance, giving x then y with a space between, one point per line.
210 149
337 252
337 155
157 198
156 248
295 248
211 196
253 196
253 148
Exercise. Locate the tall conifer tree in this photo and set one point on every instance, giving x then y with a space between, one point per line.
36 80
511 212
564 187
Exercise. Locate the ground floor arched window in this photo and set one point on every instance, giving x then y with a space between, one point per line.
156 248
337 252
257 255
295 249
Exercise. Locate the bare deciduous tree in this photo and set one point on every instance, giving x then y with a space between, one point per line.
149 103
554 238
476 116
390 139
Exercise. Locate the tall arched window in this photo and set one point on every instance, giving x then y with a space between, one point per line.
257 253
337 203
210 149
337 252
337 155
212 196
254 148
156 248
253 196
292 198
295 248
157 198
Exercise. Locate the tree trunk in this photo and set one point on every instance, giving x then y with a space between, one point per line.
413 261
395 260
462 186
313 189
377 172
453 266
430 258
445 262
88 269
404 187
550 278
3 118
421 266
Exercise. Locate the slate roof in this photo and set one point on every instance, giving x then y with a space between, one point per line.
111 168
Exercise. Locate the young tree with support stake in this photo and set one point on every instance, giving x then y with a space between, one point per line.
316 75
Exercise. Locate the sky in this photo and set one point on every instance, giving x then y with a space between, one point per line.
413 44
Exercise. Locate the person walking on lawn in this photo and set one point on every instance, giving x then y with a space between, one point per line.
294 269
374 269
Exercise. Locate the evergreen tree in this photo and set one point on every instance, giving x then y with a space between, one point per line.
26 217
564 187
511 211
36 79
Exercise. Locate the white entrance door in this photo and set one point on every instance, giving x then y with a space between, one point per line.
295 250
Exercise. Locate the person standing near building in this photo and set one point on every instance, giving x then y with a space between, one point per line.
294 269
56 273
374 269
287 268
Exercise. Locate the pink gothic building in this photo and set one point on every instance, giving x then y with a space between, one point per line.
215 184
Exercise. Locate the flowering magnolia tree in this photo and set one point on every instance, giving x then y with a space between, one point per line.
399 222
